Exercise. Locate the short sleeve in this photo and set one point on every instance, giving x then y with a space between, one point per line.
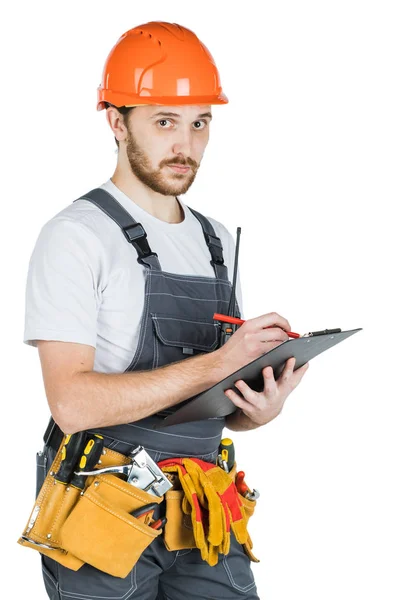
63 287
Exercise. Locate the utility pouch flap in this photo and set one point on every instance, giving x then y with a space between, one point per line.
100 530
198 334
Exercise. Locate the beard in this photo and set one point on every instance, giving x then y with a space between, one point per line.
172 184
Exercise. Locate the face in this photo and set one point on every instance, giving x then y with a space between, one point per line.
165 145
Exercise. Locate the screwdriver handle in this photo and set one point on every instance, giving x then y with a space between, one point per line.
89 459
70 453
241 486
227 451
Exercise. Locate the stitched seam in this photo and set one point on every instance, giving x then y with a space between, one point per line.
235 585
187 297
188 344
55 522
121 488
80 596
155 352
159 317
184 553
47 574
191 437
205 278
143 318
176 556
121 517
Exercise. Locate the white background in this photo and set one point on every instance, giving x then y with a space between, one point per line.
305 158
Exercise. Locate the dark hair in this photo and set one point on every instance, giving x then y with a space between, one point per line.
125 112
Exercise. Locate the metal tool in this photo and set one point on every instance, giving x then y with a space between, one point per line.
142 472
27 539
243 488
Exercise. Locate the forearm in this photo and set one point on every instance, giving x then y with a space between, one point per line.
94 399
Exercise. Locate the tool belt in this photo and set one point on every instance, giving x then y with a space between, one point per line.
95 525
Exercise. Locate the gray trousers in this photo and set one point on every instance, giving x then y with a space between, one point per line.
158 575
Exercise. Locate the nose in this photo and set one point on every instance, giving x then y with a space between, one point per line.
183 142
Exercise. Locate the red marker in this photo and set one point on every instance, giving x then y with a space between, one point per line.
236 321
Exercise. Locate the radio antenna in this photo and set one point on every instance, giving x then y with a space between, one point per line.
231 308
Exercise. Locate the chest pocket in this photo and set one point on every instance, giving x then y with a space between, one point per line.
176 338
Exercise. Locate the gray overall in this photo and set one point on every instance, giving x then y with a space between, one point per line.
177 322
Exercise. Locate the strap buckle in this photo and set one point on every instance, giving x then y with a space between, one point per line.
134 232
215 245
136 235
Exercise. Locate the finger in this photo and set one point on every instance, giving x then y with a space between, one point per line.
287 372
269 320
269 380
290 377
270 335
236 399
249 394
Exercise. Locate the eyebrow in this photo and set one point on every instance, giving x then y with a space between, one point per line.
172 114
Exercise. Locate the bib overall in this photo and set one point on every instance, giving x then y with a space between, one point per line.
177 322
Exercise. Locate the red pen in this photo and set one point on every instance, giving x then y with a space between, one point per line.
236 321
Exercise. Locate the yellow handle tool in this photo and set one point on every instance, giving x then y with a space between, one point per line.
226 453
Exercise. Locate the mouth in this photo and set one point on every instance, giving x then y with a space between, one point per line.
179 168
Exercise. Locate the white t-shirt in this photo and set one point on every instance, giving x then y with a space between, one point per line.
84 283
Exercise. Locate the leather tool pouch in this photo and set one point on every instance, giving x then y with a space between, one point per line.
178 531
53 504
94 526
102 532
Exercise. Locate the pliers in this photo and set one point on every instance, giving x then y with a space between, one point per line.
145 510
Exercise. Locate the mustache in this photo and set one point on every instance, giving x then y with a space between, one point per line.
189 162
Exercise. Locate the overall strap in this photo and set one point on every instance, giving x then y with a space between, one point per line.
133 231
214 245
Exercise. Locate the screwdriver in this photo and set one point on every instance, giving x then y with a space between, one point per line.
226 453
243 488
70 453
89 459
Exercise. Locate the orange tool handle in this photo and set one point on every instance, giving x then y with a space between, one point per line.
240 484
235 321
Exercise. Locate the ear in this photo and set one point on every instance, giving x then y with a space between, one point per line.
116 121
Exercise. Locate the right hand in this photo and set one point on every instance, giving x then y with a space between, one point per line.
252 339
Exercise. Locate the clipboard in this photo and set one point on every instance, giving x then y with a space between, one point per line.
214 403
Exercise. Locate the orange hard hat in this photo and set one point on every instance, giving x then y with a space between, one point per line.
159 63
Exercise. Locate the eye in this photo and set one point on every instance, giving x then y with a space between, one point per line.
163 122
200 124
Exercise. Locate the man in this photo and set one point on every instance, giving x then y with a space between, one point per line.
122 313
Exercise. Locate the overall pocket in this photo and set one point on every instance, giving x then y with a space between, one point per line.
102 532
180 338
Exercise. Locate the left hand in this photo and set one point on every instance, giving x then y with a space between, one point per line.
262 407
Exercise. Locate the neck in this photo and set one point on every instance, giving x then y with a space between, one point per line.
165 208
